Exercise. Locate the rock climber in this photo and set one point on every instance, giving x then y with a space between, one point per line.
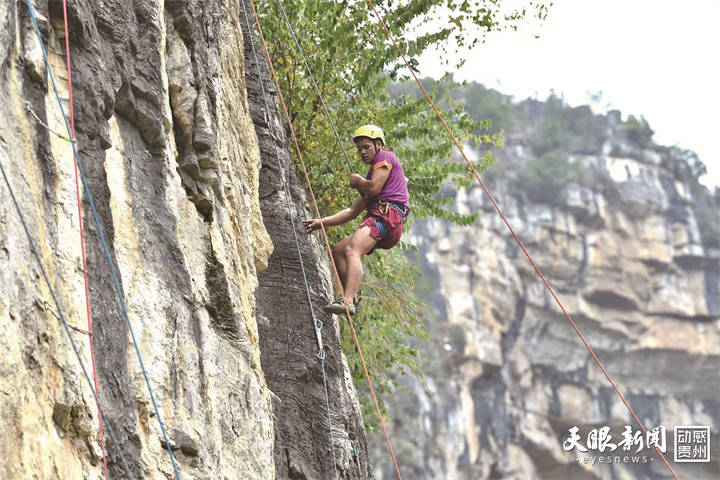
384 196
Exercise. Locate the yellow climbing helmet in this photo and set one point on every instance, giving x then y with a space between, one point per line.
373 132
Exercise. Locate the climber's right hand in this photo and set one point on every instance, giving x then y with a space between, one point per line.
312 225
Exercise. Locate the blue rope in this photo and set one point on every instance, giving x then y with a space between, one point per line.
317 323
327 409
286 189
66 325
104 243
356 452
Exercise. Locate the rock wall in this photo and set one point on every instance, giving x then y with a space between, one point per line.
171 156
631 256
286 324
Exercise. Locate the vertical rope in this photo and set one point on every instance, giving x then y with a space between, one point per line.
327 242
82 238
317 324
111 265
65 324
314 83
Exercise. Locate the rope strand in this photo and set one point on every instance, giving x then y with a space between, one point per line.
29 108
520 243
325 237
60 315
317 90
288 200
82 236
111 265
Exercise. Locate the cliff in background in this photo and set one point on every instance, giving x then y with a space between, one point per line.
631 244
172 158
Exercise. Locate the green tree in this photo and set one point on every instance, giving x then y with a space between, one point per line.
562 127
354 64
684 163
544 179
481 102
637 130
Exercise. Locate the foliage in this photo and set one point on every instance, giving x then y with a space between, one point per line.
705 205
558 126
353 64
481 102
543 179
391 314
685 164
637 130
706 210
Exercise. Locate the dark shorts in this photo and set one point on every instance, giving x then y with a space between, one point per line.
386 227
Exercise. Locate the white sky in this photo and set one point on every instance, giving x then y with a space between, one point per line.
657 58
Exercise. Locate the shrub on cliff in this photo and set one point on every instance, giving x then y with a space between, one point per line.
637 130
557 126
706 207
683 163
543 179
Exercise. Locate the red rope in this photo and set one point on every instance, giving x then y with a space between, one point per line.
327 243
542 277
82 240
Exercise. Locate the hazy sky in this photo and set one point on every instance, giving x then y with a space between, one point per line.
658 58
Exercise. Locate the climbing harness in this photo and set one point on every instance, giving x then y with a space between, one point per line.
384 205
507 223
111 265
317 323
325 237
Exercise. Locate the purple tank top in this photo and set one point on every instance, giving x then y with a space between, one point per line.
395 188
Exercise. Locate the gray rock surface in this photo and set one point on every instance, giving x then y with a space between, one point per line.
288 342
171 156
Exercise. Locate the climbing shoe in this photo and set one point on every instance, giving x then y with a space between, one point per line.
338 307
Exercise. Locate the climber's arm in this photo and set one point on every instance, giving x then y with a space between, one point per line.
339 218
375 185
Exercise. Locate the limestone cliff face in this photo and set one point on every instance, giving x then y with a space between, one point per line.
633 255
288 341
172 159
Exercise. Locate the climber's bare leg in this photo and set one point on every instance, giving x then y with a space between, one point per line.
339 257
358 245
